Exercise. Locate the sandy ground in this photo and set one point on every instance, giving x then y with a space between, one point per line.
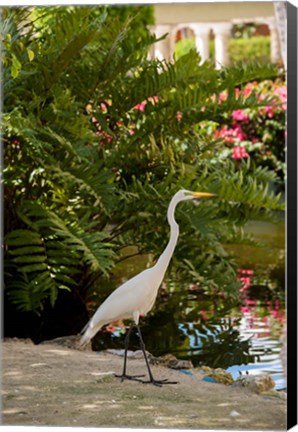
52 385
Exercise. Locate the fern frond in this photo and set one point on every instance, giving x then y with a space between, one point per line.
94 251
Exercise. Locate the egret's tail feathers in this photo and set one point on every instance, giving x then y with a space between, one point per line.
88 332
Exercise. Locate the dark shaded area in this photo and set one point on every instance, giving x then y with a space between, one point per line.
67 317
292 212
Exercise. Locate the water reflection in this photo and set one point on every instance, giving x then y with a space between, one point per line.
243 336
222 335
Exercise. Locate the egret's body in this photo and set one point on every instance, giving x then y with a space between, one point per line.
136 297
132 299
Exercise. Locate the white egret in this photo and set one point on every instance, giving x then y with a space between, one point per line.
136 297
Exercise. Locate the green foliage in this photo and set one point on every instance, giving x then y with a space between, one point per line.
241 50
183 46
255 49
97 139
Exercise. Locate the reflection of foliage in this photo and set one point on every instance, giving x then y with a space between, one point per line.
277 274
196 327
218 344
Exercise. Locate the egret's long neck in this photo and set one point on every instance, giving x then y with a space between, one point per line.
166 256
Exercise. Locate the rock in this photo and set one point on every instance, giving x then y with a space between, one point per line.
257 383
170 361
234 413
167 360
72 342
218 375
15 339
275 394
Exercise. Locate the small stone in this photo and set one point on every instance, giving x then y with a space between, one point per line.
257 383
170 361
234 413
219 375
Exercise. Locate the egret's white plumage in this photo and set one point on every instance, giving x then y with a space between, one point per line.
132 299
137 296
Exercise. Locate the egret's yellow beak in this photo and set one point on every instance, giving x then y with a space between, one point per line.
202 194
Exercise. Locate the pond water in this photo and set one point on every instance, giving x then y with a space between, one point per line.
242 337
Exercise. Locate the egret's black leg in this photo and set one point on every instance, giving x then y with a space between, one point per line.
151 379
126 344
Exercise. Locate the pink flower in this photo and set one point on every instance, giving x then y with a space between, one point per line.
179 116
281 92
237 92
140 106
246 282
131 131
250 302
248 89
239 115
223 96
230 134
246 271
267 110
245 309
103 107
238 133
153 99
106 137
239 152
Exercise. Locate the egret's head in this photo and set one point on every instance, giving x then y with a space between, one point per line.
184 194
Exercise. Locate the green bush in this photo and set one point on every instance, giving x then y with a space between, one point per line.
183 46
255 49
96 141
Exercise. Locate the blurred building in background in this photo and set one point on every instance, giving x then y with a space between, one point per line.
218 22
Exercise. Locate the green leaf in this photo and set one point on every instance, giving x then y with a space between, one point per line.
30 54
15 67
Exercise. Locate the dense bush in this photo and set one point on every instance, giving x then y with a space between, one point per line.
96 141
255 49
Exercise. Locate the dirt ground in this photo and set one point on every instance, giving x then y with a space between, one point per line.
52 385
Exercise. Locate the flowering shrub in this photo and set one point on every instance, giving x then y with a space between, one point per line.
121 127
258 133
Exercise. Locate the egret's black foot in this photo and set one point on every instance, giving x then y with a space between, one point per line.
129 377
159 383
